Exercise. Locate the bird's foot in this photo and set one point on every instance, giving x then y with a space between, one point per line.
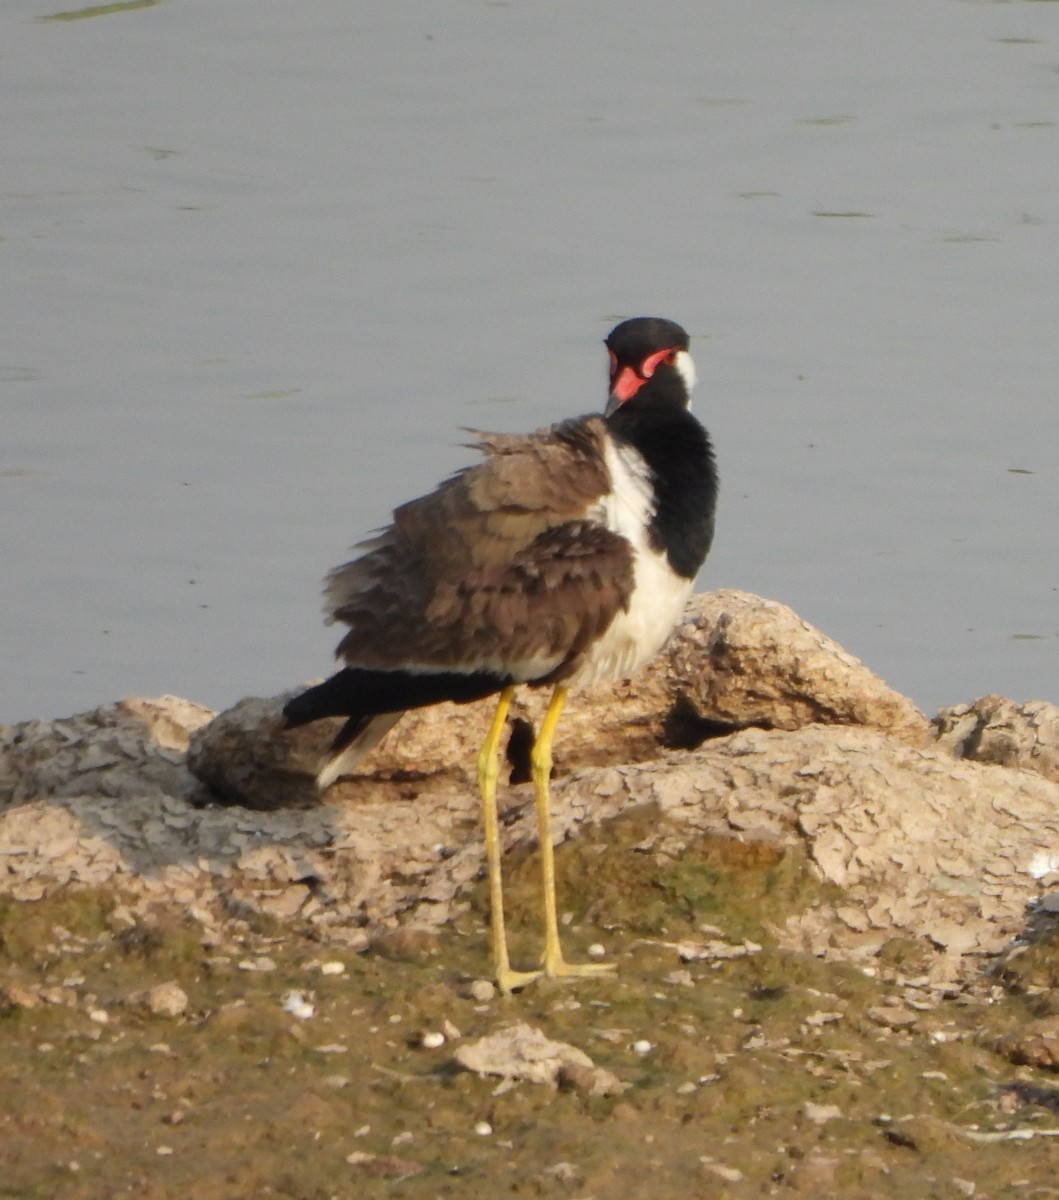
556 967
509 981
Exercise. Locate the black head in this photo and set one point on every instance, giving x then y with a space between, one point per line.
641 347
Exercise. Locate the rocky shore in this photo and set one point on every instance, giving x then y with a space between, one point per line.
836 923
751 725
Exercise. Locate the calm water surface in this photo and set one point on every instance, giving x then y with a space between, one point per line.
260 261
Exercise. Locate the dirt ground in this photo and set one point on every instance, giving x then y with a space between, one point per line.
286 1067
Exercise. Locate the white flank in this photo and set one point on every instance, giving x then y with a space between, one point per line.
346 760
659 594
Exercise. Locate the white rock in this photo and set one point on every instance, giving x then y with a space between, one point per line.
296 1004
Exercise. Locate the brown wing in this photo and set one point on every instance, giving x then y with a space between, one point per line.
502 568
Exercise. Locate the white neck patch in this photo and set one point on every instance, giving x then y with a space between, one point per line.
685 364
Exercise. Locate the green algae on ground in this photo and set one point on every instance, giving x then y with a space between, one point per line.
761 1075
637 874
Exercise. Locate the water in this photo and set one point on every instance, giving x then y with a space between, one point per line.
261 261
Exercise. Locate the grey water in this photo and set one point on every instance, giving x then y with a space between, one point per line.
260 262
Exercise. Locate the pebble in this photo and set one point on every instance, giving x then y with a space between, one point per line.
166 1000
432 1040
332 968
262 963
99 1015
483 1129
820 1114
643 1046
597 950
482 990
296 1004
728 1174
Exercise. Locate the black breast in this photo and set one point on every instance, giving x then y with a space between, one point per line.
679 454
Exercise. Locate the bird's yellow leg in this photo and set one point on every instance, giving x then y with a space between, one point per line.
488 773
541 765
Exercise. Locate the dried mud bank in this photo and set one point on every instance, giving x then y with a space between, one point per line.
751 729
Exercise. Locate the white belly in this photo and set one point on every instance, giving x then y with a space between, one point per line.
659 594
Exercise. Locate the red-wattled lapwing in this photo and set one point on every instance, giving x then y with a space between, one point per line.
565 557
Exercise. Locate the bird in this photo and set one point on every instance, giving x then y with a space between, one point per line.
563 558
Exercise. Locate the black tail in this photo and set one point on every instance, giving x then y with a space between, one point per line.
360 694
332 698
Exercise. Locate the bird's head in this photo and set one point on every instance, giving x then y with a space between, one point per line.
648 348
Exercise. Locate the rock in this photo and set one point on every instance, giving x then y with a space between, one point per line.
135 745
163 1000
745 660
1035 1045
994 729
14 996
892 1016
523 1052
589 1081
736 661
247 756
384 1166
952 852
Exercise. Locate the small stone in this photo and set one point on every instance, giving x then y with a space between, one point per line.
298 1006
261 963
483 1129
891 1016
821 1017
520 1051
332 968
728 1174
164 1150
405 943
1035 1044
643 1046
821 1113
589 1080
432 1040
384 1166
163 1000
98 1015
15 996
563 1171
597 950
482 990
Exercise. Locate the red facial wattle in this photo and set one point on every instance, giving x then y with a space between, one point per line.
626 380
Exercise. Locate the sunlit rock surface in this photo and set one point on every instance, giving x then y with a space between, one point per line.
751 727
